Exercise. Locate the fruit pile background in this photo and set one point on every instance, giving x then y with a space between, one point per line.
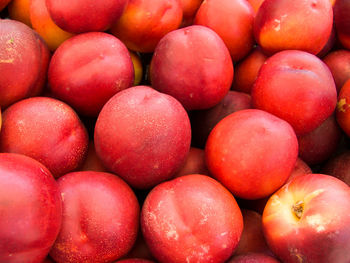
143 131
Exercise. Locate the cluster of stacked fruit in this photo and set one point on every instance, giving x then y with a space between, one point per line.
142 131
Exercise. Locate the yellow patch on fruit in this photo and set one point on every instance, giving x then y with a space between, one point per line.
341 105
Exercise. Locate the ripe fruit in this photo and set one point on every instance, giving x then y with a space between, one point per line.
191 218
308 219
185 67
30 207
143 136
252 153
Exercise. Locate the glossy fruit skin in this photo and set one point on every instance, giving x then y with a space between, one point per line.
317 229
88 69
143 136
95 16
252 153
31 210
145 22
299 25
191 218
296 86
185 67
232 21
100 218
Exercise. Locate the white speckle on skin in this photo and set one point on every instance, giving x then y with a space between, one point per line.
317 222
172 234
277 26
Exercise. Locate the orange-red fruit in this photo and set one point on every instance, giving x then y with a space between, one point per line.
191 218
232 20
296 86
252 153
47 130
185 66
145 22
88 69
143 136
3 4
343 108
307 220
86 15
46 28
247 71
19 10
302 24
100 218
20 61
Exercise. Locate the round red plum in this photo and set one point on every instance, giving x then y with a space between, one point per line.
30 208
20 61
100 218
47 130
143 136
86 15
193 65
296 86
232 21
301 25
134 260
88 69
252 153
191 219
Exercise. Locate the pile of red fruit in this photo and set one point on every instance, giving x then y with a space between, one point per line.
172 131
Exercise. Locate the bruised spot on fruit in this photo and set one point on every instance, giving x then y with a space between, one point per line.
298 209
299 257
342 105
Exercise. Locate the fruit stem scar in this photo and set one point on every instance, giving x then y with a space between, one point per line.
298 209
341 105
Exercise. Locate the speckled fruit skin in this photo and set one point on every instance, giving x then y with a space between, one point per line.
253 258
251 152
30 207
232 21
95 16
47 130
145 22
20 55
191 219
296 86
185 67
100 218
302 25
143 136
321 232
88 69
134 260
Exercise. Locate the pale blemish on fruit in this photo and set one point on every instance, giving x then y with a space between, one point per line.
341 105
7 61
317 222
